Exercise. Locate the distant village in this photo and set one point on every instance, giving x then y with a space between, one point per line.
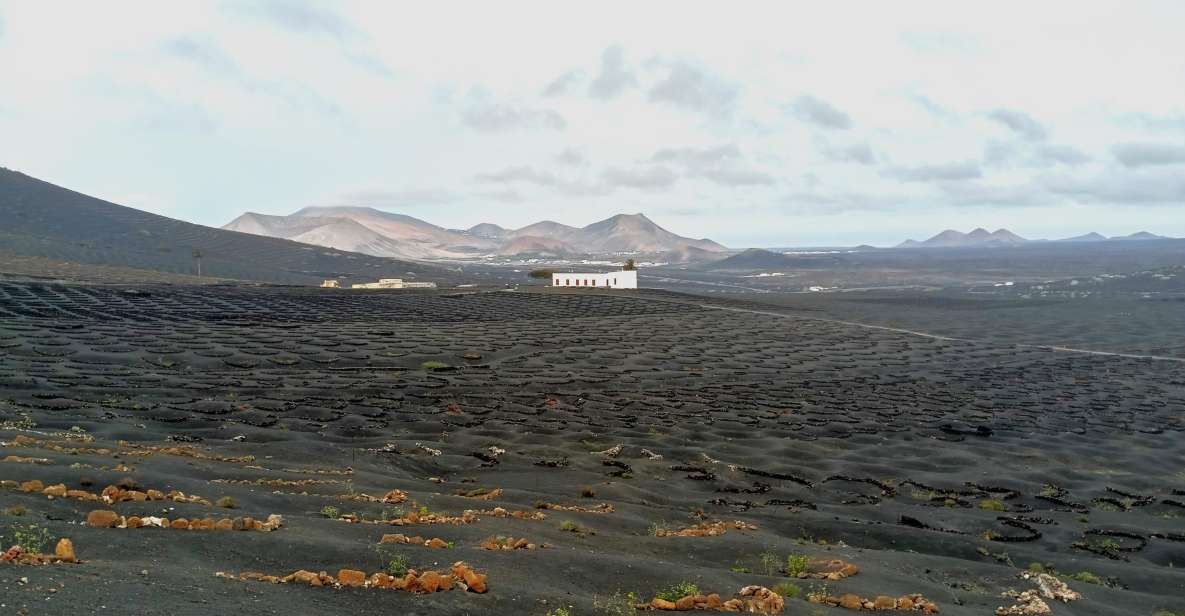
383 283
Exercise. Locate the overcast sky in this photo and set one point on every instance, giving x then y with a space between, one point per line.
755 124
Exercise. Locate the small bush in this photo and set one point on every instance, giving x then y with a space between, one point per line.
571 527
1038 567
16 511
1086 577
796 565
397 565
617 604
788 590
226 502
678 591
331 512
31 537
991 504
588 492
769 563
560 611
429 366
739 568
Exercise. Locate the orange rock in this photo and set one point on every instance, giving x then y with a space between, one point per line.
351 577
133 522
155 495
225 524
905 603
58 490
685 603
79 494
732 605
430 581
102 518
883 602
180 524
475 581
661 604
446 582
64 551
32 486
713 601
851 602
436 543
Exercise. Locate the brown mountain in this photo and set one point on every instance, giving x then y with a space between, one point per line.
979 237
381 233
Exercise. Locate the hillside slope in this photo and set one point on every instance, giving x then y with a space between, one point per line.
44 220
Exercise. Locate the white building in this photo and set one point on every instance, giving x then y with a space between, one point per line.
394 283
625 279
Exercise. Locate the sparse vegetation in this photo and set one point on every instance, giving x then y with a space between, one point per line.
617 604
991 504
571 527
788 590
770 563
678 591
226 502
15 511
588 492
796 565
31 537
429 366
1086 577
331 512
560 611
737 567
656 528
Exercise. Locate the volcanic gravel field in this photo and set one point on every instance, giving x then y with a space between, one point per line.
595 425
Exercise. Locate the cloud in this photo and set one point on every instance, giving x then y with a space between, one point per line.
723 164
301 17
818 112
1064 154
693 88
614 78
499 117
563 84
408 197
1020 122
646 178
940 172
980 194
521 173
856 153
1124 187
571 156
204 53
1140 154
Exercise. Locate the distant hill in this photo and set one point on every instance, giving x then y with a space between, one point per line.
44 220
1089 237
759 259
1140 235
979 237
396 235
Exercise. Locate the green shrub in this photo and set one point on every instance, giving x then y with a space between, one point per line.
991 504
678 591
737 567
796 565
788 590
226 502
429 366
769 563
331 512
571 527
1086 577
31 537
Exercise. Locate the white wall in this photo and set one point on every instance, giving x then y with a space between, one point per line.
612 280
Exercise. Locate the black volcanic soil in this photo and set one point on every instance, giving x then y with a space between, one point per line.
936 466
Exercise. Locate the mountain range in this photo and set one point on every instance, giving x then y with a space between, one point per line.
1003 237
385 234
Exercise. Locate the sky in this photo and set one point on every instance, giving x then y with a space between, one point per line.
752 123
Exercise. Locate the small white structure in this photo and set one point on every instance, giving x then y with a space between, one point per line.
331 284
394 283
624 279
